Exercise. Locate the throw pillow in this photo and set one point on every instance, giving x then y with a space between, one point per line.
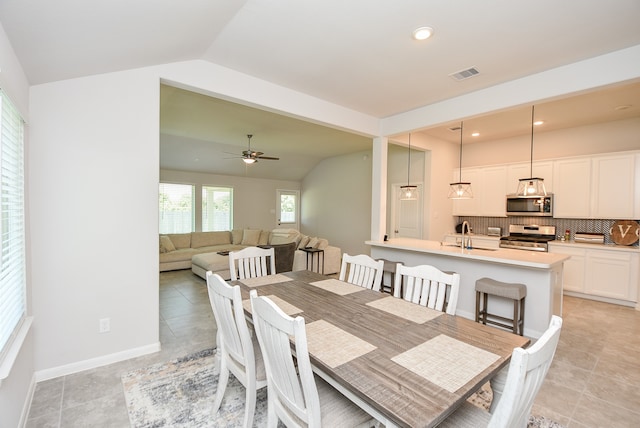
250 237
166 245
322 244
264 237
313 242
304 241
236 236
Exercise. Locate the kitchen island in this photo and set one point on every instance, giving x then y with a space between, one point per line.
541 272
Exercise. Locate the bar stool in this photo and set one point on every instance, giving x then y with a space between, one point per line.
389 267
515 292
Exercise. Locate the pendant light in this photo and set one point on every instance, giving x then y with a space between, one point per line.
532 186
409 192
461 189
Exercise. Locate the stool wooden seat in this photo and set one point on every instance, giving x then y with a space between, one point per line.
513 291
389 266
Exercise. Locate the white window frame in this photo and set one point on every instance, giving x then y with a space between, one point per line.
14 323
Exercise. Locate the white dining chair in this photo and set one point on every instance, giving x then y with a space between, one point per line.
428 286
238 352
252 262
295 395
362 270
527 371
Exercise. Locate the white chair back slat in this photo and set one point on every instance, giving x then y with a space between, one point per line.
362 270
252 262
527 371
236 352
428 286
292 395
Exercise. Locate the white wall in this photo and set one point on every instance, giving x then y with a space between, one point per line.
336 202
254 200
621 135
17 388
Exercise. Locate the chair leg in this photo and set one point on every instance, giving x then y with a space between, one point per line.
477 306
516 318
250 406
522 317
223 379
485 301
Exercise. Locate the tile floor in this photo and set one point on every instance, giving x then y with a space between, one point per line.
593 381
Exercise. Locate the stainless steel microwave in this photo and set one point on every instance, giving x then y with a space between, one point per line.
534 206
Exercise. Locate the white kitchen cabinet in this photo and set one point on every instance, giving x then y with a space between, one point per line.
488 185
613 187
572 188
541 169
574 268
612 274
609 275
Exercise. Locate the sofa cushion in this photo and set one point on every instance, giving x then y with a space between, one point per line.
236 236
304 241
313 242
283 236
166 245
251 237
264 237
180 240
207 239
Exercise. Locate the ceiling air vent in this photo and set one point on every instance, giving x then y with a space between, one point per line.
464 74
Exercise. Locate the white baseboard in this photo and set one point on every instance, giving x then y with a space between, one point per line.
95 362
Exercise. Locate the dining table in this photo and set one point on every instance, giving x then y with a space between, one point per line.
404 364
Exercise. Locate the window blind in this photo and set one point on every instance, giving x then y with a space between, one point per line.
12 233
176 208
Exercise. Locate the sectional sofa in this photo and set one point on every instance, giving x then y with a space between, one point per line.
177 250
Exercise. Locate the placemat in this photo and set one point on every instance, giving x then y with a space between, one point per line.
446 362
337 287
334 346
407 310
286 307
265 280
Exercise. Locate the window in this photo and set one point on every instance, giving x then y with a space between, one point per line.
176 208
12 240
217 208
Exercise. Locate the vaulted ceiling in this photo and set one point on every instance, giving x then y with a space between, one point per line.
358 54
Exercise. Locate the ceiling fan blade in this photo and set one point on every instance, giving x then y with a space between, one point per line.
267 158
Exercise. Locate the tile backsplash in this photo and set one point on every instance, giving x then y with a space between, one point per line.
480 224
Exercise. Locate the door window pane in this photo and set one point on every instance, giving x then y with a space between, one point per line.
287 208
217 208
176 208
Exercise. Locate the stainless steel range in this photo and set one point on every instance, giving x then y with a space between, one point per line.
528 237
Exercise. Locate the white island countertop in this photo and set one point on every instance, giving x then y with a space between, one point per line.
522 258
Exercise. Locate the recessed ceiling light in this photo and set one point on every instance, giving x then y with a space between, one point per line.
538 122
475 134
422 33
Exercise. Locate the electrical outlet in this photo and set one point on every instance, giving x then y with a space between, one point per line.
105 325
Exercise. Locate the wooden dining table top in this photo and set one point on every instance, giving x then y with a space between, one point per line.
412 365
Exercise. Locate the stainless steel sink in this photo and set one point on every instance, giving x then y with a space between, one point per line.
472 248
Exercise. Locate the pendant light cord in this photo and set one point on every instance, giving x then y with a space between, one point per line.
461 129
409 165
532 119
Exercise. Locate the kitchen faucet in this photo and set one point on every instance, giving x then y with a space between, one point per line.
467 243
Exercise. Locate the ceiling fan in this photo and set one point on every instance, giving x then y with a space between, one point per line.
249 156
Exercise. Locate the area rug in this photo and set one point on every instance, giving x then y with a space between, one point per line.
180 393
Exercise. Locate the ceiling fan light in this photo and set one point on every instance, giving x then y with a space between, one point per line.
460 190
248 160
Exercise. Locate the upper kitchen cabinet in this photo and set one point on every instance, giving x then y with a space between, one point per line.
489 186
614 189
605 186
572 188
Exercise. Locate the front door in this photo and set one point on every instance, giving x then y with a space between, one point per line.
288 209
